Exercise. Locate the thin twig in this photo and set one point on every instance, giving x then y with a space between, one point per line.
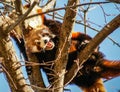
58 78
118 8
49 5
85 11
64 8
103 12
69 78
79 22
10 77
60 51
7 4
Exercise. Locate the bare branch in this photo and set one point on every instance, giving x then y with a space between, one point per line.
68 77
64 8
21 19
49 5
10 77
7 4
84 55
12 64
35 77
79 22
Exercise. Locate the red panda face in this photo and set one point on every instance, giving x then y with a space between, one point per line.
39 36
39 39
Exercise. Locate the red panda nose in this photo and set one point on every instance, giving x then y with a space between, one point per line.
45 41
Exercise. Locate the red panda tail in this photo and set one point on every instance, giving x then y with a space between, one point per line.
111 69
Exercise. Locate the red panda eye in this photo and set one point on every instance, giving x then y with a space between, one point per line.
37 43
43 35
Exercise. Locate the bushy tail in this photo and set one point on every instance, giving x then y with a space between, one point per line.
110 68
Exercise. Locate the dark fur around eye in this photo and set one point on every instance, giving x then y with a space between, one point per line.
37 43
45 41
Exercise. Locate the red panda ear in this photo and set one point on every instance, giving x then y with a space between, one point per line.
75 35
39 11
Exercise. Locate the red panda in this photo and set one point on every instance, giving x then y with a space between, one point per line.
89 78
94 69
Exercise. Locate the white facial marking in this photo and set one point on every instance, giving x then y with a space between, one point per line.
44 44
45 31
85 42
34 49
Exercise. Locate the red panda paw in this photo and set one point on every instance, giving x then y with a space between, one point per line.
96 87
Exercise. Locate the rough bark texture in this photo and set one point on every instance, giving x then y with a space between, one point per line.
14 74
62 56
35 78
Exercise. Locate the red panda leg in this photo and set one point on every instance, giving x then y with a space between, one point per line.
98 86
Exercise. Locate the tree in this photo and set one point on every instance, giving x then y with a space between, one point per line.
9 61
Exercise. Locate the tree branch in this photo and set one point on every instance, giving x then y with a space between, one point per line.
84 55
20 19
35 77
64 43
12 64
64 8
49 5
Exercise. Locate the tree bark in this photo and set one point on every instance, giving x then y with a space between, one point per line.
11 64
35 77
64 43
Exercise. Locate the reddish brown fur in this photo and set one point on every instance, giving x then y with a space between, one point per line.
96 65
112 69
34 38
94 69
98 86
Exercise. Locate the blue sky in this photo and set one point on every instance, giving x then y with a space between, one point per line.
110 50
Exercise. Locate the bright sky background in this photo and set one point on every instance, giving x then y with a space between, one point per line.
110 50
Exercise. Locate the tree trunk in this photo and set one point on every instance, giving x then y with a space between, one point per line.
62 54
11 64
